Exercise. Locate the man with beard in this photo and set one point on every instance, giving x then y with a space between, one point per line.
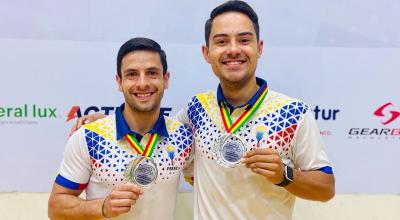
128 163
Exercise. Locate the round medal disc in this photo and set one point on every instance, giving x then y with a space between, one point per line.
142 171
229 149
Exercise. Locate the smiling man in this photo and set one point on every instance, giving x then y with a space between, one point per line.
128 163
255 149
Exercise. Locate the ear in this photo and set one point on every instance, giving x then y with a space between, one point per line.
205 52
166 80
260 46
119 82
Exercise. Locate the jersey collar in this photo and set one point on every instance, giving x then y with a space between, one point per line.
123 129
220 96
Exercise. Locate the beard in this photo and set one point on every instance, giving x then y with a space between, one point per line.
150 106
236 82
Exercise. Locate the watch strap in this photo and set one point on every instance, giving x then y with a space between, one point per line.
287 176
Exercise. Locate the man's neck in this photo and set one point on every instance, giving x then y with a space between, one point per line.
238 95
140 122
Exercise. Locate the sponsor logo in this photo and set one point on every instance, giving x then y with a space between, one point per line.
389 115
28 111
325 115
27 114
172 168
389 118
76 111
375 131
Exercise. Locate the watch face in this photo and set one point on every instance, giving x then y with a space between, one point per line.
289 173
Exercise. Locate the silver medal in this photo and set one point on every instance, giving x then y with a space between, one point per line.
228 150
142 171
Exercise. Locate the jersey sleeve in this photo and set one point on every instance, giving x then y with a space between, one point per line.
308 148
183 117
75 169
187 144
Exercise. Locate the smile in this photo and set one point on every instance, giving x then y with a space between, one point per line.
233 62
143 95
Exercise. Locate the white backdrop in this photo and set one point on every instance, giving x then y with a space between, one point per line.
339 56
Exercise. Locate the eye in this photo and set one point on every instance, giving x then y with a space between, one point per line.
152 73
131 75
244 41
221 42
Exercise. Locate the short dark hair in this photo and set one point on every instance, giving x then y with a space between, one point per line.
141 43
234 5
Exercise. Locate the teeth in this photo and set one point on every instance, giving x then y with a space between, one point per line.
143 94
233 62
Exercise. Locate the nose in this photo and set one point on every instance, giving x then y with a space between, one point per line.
142 82
233 49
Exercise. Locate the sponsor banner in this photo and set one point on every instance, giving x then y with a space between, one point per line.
57 68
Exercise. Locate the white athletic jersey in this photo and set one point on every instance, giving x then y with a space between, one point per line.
286 124
95 160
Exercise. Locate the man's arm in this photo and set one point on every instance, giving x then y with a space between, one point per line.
65 203
311 185
85 120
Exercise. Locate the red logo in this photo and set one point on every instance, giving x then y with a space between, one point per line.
73 112
393 114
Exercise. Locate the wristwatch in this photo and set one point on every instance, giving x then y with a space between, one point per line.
287 176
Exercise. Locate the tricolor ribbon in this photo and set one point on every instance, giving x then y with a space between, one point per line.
226 117
148 150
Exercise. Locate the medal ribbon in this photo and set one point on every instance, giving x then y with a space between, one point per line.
226 117
148 150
